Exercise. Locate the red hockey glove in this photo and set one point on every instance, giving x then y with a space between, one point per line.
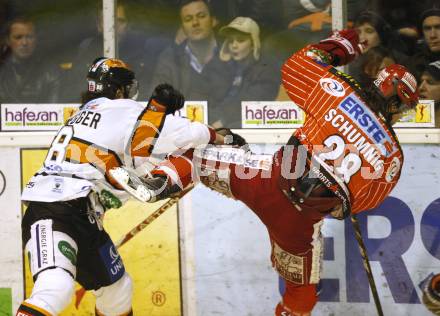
342 45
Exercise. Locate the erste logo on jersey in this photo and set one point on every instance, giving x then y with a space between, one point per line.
360 127
366 120
332 86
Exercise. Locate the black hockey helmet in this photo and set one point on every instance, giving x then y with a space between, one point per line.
107 75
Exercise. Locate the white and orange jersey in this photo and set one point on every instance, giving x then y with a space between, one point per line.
353 145
105 134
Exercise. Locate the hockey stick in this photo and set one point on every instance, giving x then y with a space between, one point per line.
364 255
139 227
79 294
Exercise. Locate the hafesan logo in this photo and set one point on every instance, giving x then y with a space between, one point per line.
333 87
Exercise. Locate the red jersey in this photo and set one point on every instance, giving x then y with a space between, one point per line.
352 143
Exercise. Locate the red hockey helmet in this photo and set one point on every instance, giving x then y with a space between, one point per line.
399 87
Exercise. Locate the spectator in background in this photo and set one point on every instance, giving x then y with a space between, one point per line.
371 63
430 87
252 79
139 50
24 74
4 14
193 66
430 51
372 29
402 16
266 13
62 24
375 33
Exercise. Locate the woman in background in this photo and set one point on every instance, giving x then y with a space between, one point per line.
251 79
376 34
372 62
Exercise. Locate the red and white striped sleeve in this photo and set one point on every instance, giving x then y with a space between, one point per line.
177 168
300 75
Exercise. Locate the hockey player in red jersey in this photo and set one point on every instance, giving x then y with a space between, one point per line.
345 159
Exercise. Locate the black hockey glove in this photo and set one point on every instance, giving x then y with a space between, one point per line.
159 185
232 138
169 97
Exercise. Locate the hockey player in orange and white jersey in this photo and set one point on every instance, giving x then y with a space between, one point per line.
345 159
62 228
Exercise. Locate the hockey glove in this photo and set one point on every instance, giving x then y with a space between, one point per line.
150 189
431 295
170 98
161 187
342 45
232 138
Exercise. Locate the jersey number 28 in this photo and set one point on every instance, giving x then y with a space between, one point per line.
350 164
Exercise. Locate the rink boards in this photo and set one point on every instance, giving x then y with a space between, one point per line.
221 265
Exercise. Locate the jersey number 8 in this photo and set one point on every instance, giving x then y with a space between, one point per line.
57 151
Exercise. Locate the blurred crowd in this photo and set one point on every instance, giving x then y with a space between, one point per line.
221 51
